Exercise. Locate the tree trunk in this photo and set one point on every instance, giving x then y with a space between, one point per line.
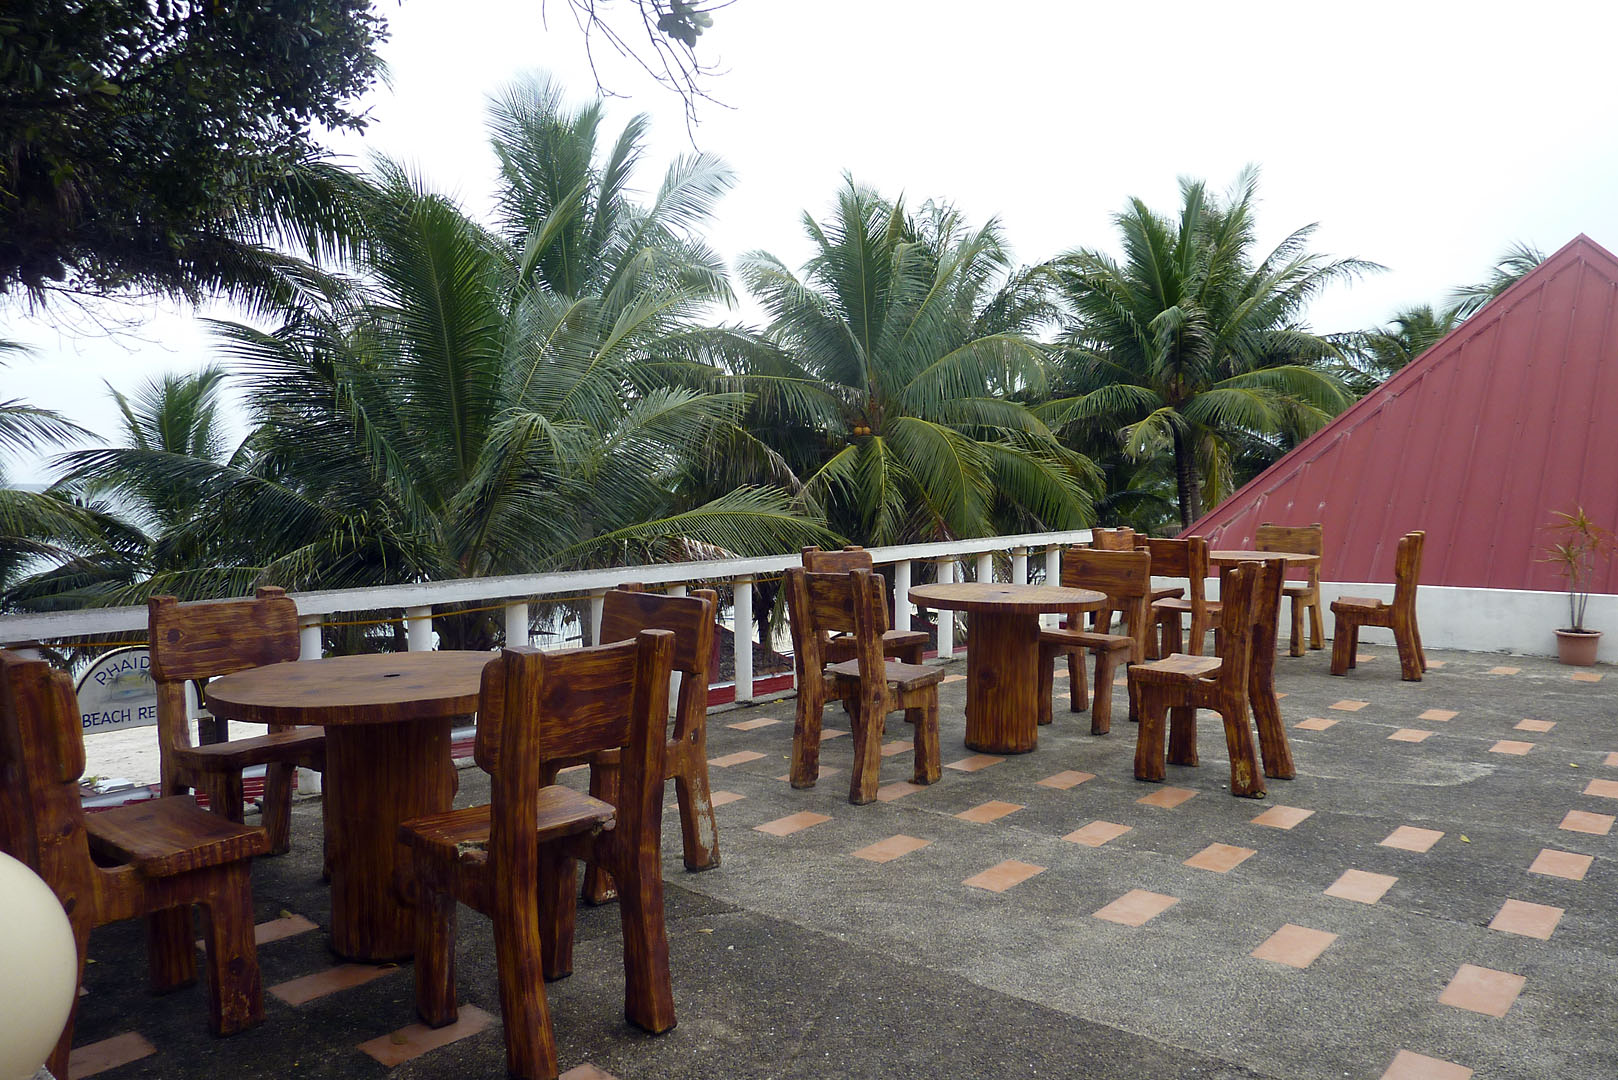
1185 479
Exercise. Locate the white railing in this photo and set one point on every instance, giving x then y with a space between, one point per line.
417 602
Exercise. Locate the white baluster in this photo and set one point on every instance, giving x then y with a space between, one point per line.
309 644
986 567
946 618
1053 576
901 595
598 600
517 624
1019 566
419 629
744 638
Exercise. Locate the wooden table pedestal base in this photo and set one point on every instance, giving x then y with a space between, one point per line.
1002 662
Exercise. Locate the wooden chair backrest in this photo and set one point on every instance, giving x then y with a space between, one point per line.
846 603
1301 538
1268 583
1122 575
1236 625
1407 572
535 706
1120 539
852 557
209 638
41 760
1184 558
626 611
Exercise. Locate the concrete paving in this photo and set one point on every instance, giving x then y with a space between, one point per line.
798 958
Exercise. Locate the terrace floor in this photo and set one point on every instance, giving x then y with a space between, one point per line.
1432 897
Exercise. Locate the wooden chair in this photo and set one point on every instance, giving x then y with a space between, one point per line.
1187 558
1178 685
869 686
908 646
1305 539
153 859
625 612
513 859
1120 539
216 637
1265 607
1126 578
1349 613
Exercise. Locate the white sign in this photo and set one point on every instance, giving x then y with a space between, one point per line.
117 692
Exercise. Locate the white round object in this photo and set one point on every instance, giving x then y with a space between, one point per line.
39 970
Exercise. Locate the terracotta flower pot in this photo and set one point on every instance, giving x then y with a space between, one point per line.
1577 647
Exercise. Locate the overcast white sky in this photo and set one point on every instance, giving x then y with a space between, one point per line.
1424 136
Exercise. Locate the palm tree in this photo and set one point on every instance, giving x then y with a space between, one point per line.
1506 272
887 379
1192 345
1370 357
482 400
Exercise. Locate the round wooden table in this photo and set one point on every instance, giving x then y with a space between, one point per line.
1231 557
1002 660
387 718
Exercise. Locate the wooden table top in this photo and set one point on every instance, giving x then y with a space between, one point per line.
378 688
1234 556
1003 597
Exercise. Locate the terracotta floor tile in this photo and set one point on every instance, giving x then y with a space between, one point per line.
1410 838
975 762
829 733
96 1057
1407 734
1612 760
725 798
1220 858
1136 907
1096 833
1504 671
1282 817
897 790
1482 990
410 1042
1536 725
1440 715
1529 920
1408 1065
887 850
897 746
1295 946
1062 781
1364 657
1002 876
278 929
1582 821
1361 886
1511 746
1562 864
1315 723
1605 789
1436 663
989 811
740 757
1280 694
1350 705
754 725
792 823
342 977
825 771
1167 797
586 1071
1585 676
954 678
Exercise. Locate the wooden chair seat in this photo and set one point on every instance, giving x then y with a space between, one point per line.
1184 606
299 746
1173 593
1177 668
463 835
902 677
164 837
905 645
1298 590
1084 639
1367 603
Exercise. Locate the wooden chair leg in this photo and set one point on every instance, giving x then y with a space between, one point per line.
1149 739
435 951
235 993
1047 685
1295 642
530 1042
1272 735
1245 778
1134 696
558 912
171 951
1078 689
604 785
1317 625
224 792
867 770
699 831
806 738
1410 658
1199 636
648 989
1343 644
1183 735
1101 706
277 812
56 1064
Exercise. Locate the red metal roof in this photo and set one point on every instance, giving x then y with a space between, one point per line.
1510 417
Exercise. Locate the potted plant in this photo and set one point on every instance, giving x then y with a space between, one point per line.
1578 544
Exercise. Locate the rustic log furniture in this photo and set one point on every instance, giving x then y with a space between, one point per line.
1349 613
870 686
1124 538
1002 658
1184 558
152 859
387 718
625 612
907 646
513 859
1178 685
203 640
1125 576
1304 595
